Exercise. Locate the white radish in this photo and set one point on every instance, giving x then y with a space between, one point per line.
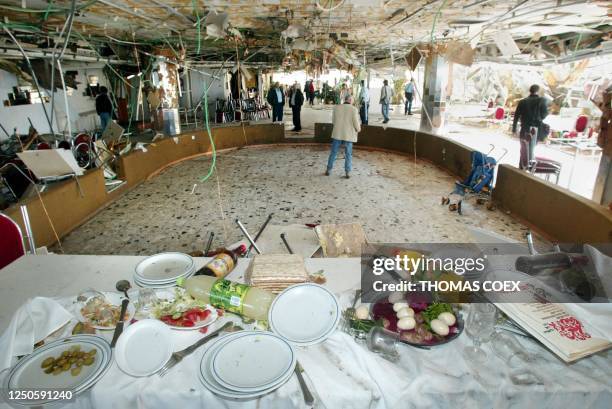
405 312
448 318
439 327
406 323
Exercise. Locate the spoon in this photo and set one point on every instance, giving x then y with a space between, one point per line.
123 286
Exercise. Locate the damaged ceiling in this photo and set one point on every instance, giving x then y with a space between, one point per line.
266 32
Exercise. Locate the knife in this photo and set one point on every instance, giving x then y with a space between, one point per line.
119 327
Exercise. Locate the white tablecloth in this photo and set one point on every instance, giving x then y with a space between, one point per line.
342 373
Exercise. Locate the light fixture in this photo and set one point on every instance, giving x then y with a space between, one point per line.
129 77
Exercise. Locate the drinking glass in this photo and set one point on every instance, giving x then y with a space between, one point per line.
508 349
146 300
383 342
479 326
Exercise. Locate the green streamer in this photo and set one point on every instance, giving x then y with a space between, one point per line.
212 142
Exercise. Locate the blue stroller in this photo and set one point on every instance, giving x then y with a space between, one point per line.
479 182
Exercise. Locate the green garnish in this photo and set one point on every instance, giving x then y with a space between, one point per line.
434 310
364 325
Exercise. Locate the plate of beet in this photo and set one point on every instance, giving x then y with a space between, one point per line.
419 322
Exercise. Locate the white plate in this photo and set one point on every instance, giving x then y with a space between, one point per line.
28 374
169 295
304 314
160 285
164 267
144 347
114 299
207 379
166 281
252 361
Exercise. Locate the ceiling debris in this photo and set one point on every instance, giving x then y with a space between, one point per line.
339 32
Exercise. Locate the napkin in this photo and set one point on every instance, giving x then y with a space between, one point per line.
32 323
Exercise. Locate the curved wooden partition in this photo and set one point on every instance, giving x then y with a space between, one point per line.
68 209
554 212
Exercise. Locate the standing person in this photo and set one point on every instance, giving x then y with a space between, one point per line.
296 100
409 94
346 126
311 92
344 92
104 107
386 93
531 111
364 103
276 98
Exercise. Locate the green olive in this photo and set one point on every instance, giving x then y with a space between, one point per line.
75 371
49 370
93 352
47 362
66 366
88 361
57 371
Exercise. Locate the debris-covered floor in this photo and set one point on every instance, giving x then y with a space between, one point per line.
395 199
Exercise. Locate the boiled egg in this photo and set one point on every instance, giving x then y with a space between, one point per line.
439 327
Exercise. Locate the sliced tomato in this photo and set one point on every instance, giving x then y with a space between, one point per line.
187 323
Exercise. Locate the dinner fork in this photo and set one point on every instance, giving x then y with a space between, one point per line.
178 356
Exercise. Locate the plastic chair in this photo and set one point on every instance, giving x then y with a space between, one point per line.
500 113
11 241
581 123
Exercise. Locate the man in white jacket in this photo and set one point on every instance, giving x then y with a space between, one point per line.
345 119
386 93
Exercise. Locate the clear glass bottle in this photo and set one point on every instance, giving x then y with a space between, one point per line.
241 299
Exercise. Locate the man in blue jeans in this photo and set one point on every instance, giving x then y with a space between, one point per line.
386 93
345 119
104 107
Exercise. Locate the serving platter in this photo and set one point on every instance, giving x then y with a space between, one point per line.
29 374
421 335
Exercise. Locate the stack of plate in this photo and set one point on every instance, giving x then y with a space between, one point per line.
163 270
247 364
28 374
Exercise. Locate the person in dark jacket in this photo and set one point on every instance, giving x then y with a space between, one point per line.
276 99
531 111
104 107
296 100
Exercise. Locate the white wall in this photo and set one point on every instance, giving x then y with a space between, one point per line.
81 108
17 116
199 83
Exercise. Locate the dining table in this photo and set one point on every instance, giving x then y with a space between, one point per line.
341 372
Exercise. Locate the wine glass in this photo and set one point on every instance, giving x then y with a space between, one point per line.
479 326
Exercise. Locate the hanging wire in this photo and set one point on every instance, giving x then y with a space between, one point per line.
198 25
212 142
